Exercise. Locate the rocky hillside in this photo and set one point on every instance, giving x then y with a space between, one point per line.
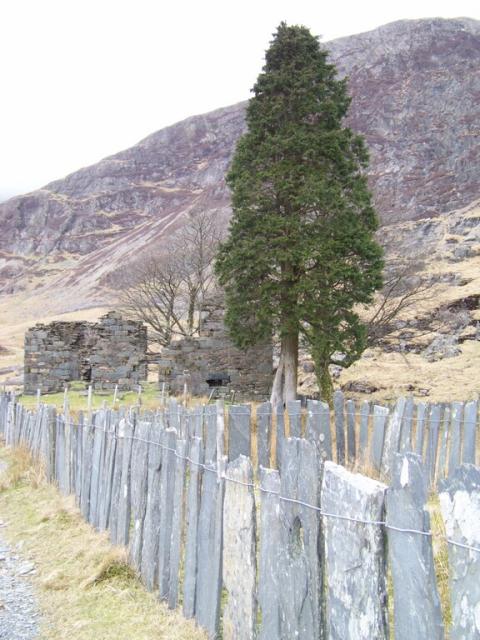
415 89
416 97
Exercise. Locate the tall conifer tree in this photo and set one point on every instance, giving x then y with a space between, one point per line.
301 251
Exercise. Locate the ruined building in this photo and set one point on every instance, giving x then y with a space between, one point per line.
212 359
108 353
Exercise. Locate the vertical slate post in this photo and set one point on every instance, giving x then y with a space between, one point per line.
210 432
406 430
68 447
151 525
110 454
177 523
363 437
280 431
269 574
432 444
80 431
380 416
351 444
294 411
86 469
210 548
127 432
50 443
442 456
139 474
300 564
469 432
318 428
420 431
98 424
197 422
116 480
193 508
354 556
417 610
264 434
167 489
455 437
338 407
239 552
73 455
60 454
460 504
173 415
393 435
239 439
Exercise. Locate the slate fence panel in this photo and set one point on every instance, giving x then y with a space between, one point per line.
197 520
460 504
192 522
417 612
264 434
149 560
356 599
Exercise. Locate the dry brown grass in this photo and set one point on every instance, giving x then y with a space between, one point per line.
20 469
84 586
440 554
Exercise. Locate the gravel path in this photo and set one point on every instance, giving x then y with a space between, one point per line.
19 615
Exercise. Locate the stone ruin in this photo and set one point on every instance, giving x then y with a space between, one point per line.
108 353
212 357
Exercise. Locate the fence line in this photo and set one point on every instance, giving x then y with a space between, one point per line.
257 487
165 484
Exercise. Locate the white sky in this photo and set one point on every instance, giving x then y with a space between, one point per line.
82 79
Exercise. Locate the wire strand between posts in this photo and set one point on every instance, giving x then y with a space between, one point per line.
214 469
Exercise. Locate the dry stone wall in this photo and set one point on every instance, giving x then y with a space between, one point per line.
108 353
194 360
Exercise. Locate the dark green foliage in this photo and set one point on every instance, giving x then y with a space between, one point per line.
301 250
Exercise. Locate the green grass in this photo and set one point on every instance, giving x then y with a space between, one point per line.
78 400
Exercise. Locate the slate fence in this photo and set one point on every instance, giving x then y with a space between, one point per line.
254 552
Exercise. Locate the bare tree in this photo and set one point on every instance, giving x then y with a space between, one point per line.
406 285
195 247
167 288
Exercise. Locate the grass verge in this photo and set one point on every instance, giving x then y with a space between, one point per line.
85 588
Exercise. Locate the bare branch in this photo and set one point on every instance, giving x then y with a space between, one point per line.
405 286
167 288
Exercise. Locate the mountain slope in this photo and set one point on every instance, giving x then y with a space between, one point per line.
416 97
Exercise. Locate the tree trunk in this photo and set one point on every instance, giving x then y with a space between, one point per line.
277 387
191 313
324 379
290 360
